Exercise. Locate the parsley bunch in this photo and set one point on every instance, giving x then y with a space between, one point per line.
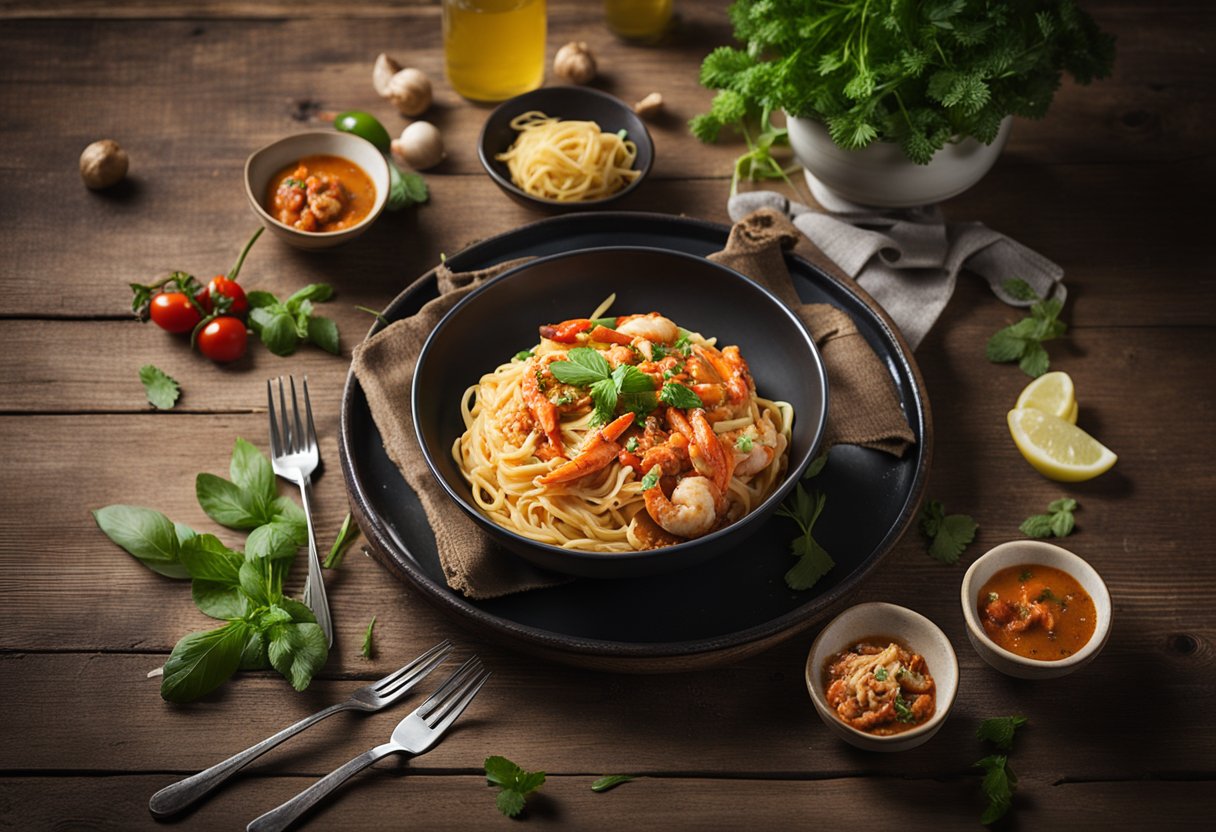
916 72
263 627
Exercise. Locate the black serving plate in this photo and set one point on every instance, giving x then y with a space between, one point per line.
731 607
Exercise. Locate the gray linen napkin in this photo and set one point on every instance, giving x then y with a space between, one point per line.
908 259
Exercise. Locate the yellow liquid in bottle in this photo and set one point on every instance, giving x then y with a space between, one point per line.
644 20
494 49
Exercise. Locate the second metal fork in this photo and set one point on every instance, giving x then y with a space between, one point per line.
295 456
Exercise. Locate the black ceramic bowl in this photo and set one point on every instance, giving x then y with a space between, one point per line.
571 103
501 318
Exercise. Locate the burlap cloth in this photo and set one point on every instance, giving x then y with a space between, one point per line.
863 406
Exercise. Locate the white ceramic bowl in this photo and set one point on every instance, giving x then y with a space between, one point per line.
881 175
264 163
912 630
1015 553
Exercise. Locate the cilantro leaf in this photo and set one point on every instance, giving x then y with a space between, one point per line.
679 396
949 535
367 639
813 560
514 782
998 786
583 367
162 390
999 730
610 781
1058 521
651 479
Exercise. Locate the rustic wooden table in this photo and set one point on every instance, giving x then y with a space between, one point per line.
1112 185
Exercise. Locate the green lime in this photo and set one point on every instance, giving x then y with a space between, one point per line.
365 126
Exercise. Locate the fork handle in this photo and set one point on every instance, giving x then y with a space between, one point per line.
314 587
174 798
283 816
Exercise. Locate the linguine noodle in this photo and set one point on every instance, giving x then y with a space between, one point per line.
568 161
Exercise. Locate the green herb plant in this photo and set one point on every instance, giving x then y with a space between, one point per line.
919 73
514 784
161 389
263 627
1058 521
1023 341
282 326
999 779
948 534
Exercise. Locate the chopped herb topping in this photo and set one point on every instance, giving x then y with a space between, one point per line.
679 396
902 712
1026 575
523 355
744 443
651 480
880 673
632 444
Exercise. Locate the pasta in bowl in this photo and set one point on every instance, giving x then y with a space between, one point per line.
619 444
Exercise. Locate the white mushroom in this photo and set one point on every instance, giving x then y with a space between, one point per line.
410 91
383 72
420 146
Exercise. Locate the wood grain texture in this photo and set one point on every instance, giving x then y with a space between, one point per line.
1113 185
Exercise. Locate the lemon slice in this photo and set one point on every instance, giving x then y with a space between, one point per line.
1057 449
1051 393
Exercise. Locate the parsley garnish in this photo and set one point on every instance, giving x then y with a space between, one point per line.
880 673
902 712
813 560
651 479
1023 341
609 781
948 535
632 444
514 783
523 355
679 396
1058 520
744 443
585 367
683 344
161 389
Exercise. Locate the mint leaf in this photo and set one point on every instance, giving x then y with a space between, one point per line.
678 396
367 639
162 390
1000 730
610 781
202 661
297 651
604 397
324 333
998 786
1020 289
1037 526
515 784
146 535
1059 521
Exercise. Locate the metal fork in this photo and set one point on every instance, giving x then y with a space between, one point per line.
367 699
294 456
413 735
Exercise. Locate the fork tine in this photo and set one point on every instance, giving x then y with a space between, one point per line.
452 710
455 681
300 441
288 438
419 667
310 438
276 444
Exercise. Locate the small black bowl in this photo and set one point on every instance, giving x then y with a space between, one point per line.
571 103
501 318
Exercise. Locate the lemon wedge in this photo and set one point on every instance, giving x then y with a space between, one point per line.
1051 393
1056 448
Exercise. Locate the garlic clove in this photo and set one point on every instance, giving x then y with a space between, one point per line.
420 146
575 63
410 91
649 106
383 72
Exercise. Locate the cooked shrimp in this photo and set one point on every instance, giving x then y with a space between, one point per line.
326 197
762 438
653 327
543 410
692 509
671 456
708 455
597 454
730 365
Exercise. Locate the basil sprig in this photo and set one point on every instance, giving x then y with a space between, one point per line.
263 627
282 326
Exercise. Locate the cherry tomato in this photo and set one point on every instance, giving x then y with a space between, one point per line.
223 339
173 312
221 285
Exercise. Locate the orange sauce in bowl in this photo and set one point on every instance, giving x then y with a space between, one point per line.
1038 612
320 193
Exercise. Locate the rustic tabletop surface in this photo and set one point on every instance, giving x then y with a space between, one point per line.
1111 185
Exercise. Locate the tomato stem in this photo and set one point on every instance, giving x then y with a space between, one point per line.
240 260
